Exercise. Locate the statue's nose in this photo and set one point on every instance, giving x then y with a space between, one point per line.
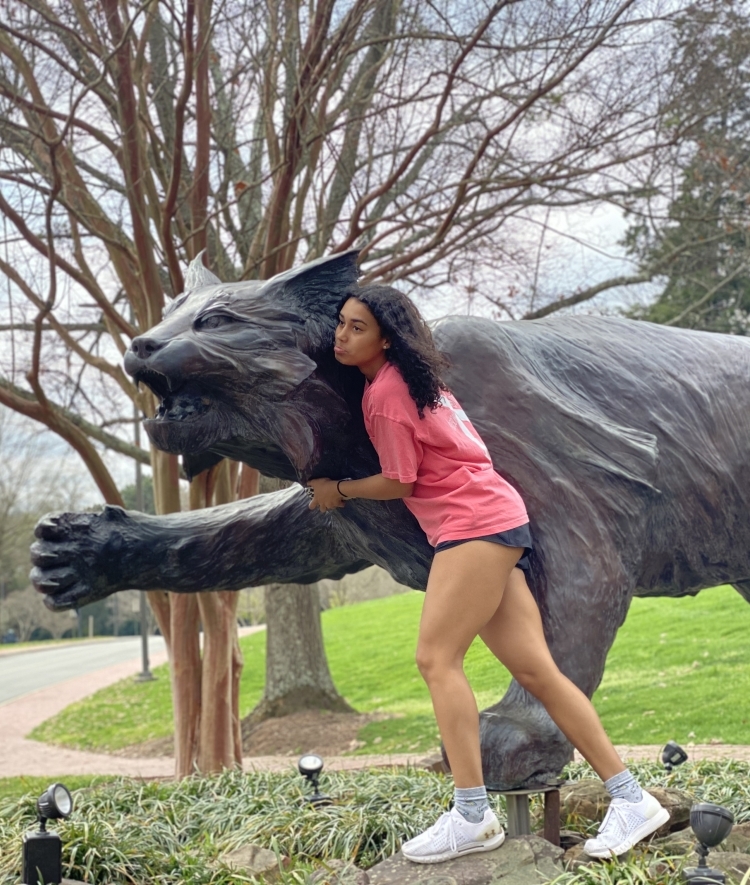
144 347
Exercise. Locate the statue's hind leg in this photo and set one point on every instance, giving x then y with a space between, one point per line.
743 588
521 745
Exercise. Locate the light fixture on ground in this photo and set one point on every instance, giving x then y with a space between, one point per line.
673 755
310 765
42 850
711 824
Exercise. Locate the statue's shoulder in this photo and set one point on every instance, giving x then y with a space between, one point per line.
458 333
553 326
598 337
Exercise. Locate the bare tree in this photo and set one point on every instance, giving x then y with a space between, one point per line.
688 225
701 243
134 134
24 613
31 481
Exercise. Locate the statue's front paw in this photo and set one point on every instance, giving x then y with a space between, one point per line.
75 557
521 746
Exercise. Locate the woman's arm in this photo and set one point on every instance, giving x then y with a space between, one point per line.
376 488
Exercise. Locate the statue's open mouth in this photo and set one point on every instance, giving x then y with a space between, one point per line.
182 423
176 403
160 384
183 406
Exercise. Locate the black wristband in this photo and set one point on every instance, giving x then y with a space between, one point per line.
338 486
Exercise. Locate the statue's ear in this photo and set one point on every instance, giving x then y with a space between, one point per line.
315 288
198 275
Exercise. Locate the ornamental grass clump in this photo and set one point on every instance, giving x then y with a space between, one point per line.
175 833
637 871
135 832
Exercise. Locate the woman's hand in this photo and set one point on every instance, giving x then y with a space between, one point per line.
325 495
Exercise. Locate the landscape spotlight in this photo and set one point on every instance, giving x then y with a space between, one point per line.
673 755
711 824
42 851
310 765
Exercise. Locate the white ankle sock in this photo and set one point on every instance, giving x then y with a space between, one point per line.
471 803
624 786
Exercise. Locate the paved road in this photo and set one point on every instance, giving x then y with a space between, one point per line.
28 671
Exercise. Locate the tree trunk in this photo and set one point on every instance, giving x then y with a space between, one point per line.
185 670
297 674
218 612
220 744
178 619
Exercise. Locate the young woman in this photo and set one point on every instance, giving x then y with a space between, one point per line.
432 457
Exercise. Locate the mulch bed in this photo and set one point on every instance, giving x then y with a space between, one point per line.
311 731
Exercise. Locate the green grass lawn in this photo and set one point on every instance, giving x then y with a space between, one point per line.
13 787
677 670
680 669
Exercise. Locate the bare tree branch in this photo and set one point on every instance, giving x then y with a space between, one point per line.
20 400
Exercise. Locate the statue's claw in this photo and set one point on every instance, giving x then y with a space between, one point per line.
54 579
74 597
44 558
48 528
77 557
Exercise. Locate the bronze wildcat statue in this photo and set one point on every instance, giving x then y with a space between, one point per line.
629 442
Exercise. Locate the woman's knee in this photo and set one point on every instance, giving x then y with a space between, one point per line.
432 660
540 682
425 659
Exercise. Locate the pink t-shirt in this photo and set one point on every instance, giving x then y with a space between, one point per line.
457 493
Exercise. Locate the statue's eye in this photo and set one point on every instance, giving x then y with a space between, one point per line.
214 321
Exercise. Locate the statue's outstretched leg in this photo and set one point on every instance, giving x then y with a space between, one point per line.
82 557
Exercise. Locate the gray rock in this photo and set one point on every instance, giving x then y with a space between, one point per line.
583 800
588 800
681 842
678 804
739 839
576 857
525 860
685 841
569 838
339 872
253 860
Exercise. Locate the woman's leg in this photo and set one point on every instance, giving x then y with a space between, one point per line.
464 592
515 636
475 589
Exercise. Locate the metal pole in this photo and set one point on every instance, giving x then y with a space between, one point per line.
145 675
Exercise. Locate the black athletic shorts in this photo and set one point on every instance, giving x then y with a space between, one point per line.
518 537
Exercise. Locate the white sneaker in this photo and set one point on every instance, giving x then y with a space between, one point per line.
625 824
453 836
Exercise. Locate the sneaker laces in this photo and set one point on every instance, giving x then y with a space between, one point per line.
620 819
445 827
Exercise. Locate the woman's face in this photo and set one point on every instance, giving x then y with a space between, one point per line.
359 341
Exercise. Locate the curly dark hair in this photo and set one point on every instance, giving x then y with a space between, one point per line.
412 349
